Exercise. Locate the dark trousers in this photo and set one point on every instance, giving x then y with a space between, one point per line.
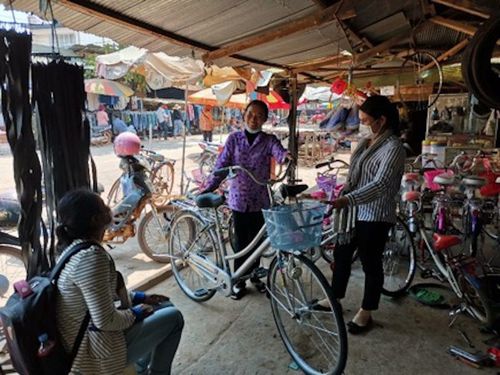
370 241
246 227
164 130
207 135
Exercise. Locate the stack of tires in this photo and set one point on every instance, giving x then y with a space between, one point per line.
481 77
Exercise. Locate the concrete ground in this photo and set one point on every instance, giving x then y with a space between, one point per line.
223 336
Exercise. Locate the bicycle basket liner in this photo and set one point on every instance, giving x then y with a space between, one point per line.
295 227
327 183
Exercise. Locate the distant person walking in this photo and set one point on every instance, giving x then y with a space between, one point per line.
207 123
177 118
163 121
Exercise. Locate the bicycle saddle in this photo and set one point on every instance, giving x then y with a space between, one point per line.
291 191
411 177
411 196
474 181
443 242
444 179
209 200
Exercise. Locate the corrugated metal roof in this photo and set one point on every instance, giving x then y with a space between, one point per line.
217 22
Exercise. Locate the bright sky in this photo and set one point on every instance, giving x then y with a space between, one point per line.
6 15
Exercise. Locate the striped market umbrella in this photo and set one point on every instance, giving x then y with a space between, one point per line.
107 87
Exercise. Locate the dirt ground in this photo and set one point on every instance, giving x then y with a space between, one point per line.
223 336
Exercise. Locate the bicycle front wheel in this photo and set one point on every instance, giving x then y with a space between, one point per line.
191 236
153 233
398 260
11 270
316 339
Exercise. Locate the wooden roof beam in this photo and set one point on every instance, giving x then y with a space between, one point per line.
454 25
451 52
314 19
339 59
466 6
379 48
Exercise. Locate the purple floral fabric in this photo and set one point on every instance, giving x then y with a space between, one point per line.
244 194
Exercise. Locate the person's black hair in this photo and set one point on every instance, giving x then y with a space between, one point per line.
82 214
258 103
378 106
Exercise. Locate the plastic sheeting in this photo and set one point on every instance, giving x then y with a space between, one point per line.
159 69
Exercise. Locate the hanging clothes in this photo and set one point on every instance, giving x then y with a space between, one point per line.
15 57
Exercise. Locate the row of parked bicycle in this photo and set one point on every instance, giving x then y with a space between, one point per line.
442 229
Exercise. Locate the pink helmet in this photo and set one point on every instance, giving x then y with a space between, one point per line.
127 144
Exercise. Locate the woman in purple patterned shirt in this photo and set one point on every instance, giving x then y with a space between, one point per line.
252 149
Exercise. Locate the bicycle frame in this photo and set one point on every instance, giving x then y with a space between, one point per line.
210 271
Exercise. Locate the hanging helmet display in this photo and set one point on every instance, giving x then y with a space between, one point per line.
127 144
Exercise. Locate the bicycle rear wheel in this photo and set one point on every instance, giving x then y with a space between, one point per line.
398 260
190 235
153 233
475 292
163 178
316 339
12 269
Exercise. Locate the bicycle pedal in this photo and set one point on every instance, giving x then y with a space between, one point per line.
202 292
260 272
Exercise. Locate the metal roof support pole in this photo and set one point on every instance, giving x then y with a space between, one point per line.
184 138
292 123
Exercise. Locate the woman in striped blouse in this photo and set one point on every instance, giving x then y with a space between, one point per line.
369 197
144 329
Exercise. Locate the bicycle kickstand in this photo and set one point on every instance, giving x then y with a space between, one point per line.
454 312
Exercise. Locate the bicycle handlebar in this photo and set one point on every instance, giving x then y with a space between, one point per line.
330 164
232 169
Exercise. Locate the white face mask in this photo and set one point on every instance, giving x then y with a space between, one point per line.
252 131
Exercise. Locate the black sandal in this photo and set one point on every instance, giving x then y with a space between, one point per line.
356 329
259 285
239 291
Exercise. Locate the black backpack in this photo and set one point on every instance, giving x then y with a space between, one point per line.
30 328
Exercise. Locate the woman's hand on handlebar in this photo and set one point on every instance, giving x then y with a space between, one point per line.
336 203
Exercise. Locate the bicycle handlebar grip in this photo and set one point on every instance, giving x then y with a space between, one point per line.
221 172
321 165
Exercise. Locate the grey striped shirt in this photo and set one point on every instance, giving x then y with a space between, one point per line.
88 281
376 192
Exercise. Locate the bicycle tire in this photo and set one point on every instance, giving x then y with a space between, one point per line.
147 247
115 194
393 254
12 269
179 252
417 59
298 269
162 178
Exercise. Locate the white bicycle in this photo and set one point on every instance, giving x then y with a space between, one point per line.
316 339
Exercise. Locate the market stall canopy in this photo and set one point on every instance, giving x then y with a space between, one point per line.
273 100
107 87
207 97
303 36
159 69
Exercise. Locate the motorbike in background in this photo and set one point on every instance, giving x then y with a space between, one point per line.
100 135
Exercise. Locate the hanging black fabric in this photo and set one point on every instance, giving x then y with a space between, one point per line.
15 51
59 96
